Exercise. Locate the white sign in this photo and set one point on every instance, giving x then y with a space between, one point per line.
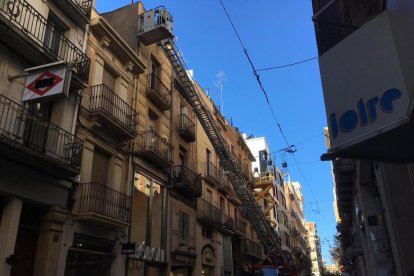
366 89
146 253
46 83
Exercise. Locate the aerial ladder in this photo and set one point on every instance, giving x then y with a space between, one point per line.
155 26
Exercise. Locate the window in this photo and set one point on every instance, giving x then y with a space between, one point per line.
100 166
207 233
183 226
109 78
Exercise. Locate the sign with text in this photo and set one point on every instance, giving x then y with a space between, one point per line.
128 248
367 92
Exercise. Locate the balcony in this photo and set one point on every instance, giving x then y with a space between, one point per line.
252 249
186 181
155 148
78 10
211 174
30 139
187 128
240 226
252 181
31 35
233 197
225 186
102 204
112 112
228 225
208 213
336 20
158 92
343 165
246 172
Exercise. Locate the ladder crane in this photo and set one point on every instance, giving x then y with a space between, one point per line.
251 208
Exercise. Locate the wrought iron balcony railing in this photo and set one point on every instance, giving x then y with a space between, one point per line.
240 226
114 108
19 127
37 28
157 149
186 181
158 92
99 199
208 213
225 186
211 173
186 128
343 164
84 6
252 248
227 222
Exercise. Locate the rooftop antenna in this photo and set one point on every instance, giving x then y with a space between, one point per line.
221 78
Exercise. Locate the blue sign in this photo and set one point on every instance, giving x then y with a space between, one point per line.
364 113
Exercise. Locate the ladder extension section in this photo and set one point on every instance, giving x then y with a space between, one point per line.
250 206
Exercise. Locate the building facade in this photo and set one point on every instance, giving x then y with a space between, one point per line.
43 70
314 249
370 147
298 226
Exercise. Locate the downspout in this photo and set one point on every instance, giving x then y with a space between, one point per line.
166 198
132 172
78 103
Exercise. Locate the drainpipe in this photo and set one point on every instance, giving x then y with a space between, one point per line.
78 103
131 173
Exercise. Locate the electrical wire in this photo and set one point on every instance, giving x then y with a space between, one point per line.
287 65
268 101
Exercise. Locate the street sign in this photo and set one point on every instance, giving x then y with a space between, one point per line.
128 248
47 83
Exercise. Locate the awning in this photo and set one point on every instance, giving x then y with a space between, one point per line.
395 146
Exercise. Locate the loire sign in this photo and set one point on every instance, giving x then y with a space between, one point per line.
44 83
367 84
364 113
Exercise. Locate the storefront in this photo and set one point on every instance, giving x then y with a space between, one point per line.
148 229
90 256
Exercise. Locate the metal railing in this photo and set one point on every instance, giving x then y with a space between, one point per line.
20 126
228 222
343 164
186 125
208 212
102 200
155 84
252 248
152 141
104 99
210 171
84 6
36 27
189 179
240 225
225 185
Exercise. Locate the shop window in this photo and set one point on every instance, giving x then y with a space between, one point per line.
183 226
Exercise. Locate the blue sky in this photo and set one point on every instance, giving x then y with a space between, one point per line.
274 33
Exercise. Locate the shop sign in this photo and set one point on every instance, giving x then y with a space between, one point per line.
367 92
128 248
146 253
46 82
